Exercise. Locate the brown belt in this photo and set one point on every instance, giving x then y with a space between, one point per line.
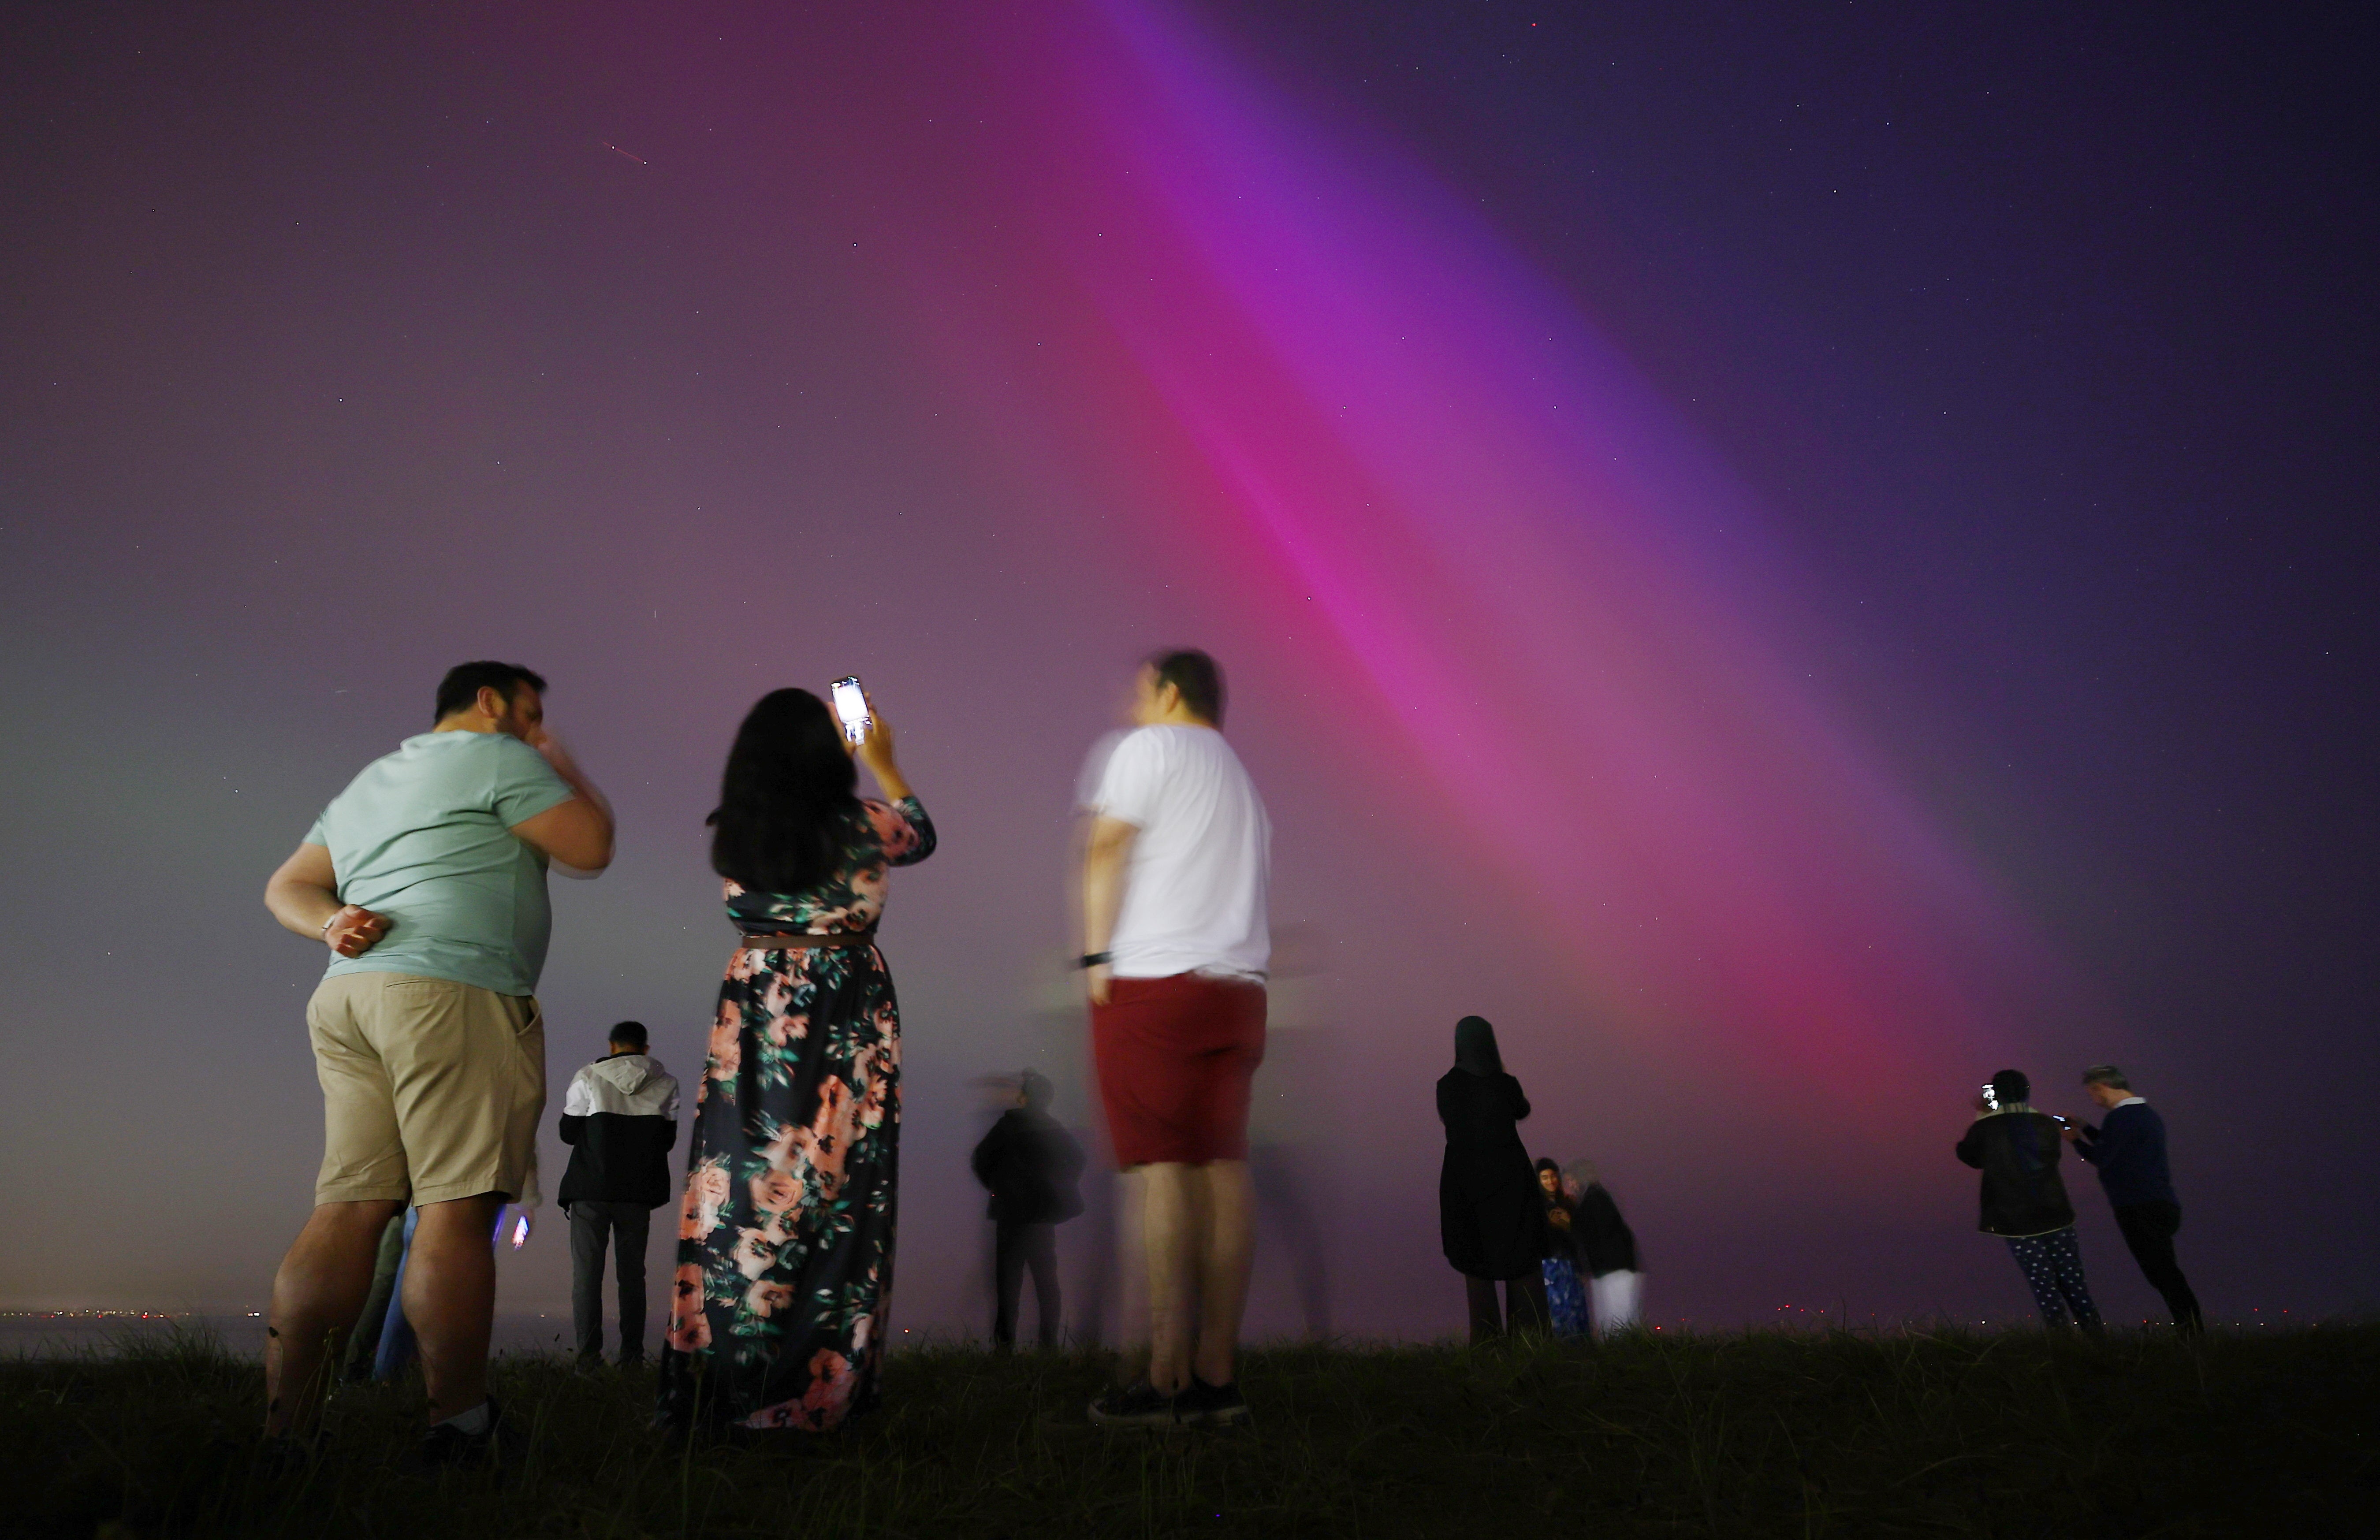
796 941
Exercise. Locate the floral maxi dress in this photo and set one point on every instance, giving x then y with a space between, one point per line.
784 1252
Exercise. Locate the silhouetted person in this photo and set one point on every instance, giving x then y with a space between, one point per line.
426 880
619 1118
1033 1168
2128 1147
1491 1219
2025 1201
1607 1250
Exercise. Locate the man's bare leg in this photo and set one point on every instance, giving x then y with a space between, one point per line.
450 1297
1131 1326
317 1294
1227 1247
1170 1230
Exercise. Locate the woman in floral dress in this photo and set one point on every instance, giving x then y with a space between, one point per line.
784 1255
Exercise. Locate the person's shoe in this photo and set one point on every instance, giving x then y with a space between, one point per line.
629 1362
589 1365
1212 1405
1137 1405
446 1446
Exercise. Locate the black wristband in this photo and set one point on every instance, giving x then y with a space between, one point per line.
1094 959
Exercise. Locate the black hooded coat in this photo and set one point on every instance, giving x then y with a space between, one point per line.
1491 1219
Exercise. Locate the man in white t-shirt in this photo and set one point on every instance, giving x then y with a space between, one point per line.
1175 948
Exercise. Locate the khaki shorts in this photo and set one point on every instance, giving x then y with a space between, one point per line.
431 1089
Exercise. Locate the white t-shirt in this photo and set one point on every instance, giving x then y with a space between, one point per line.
1194 895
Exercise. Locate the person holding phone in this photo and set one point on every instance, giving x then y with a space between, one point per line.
784 1258
2025 1201
1491 1219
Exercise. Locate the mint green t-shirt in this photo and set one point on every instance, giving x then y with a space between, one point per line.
424 836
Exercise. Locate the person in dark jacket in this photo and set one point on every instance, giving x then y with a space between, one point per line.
1491 1217
2129 1150
1607 1250
619 1118
2025 1201
1032 1167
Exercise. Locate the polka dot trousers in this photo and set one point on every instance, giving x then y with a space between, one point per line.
2053 1266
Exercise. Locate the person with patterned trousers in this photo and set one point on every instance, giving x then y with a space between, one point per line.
2025 1201
778 1308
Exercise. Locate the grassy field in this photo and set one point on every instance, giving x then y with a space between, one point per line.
1932 1434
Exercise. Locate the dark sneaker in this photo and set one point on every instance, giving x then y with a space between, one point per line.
1212 1405
589 1363
1140 1405
446 1446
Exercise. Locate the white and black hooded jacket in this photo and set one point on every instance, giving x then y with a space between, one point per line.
620 1120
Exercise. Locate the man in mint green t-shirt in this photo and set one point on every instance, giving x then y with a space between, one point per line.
426 880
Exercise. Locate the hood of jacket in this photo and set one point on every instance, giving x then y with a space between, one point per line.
629 1072
630 1085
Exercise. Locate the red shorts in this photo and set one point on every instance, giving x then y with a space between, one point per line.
1175 1057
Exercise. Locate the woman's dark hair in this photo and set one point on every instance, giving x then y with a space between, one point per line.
2011 1085
1475 1046
1544 1166
786 797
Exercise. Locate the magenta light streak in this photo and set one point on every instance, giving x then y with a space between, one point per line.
1299 367
1570 614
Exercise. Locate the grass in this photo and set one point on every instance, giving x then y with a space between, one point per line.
1766 1433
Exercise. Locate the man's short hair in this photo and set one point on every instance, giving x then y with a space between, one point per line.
1036 1088
2106 1074
465 681
2011 1085
1196 675
631 1035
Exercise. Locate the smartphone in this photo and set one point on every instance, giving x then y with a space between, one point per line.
1991 1098
520 1233
851 707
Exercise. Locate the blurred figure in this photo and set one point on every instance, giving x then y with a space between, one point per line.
393 1346
1175 948
1032 1168
1491 1216
2128 1148
1607 1250
619 1118
2024 1200
1565 1296
380 1305
426 880
784 1252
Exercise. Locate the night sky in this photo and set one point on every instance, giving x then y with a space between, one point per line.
1792 556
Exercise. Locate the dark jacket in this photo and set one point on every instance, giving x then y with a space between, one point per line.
1032 1167
1491 1213
2129 1150
620 1119
2016 1152
1603 1241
